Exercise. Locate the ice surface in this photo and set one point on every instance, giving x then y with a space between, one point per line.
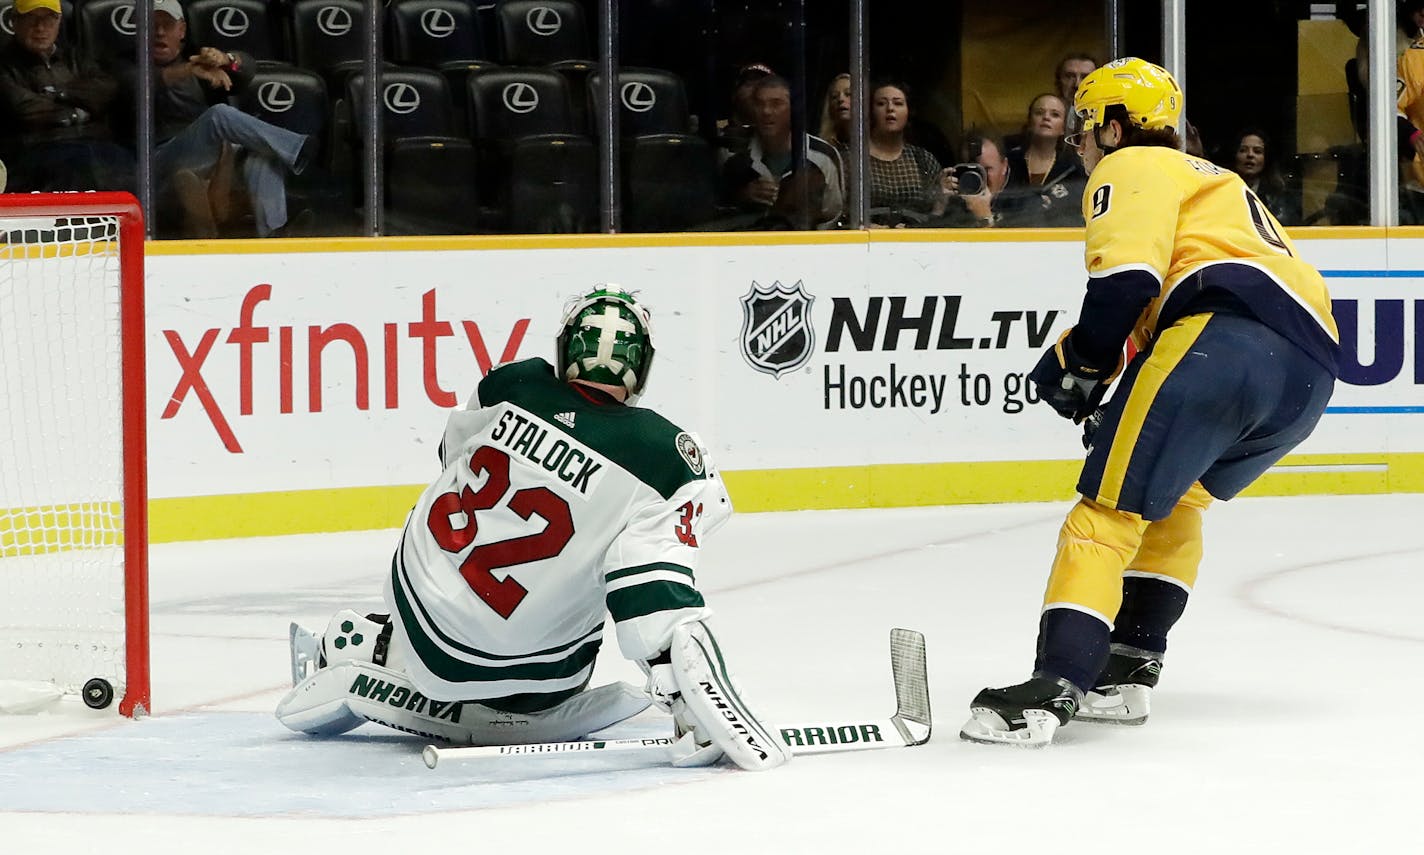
1283 722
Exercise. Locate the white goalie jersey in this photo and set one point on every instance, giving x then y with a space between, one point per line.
555 503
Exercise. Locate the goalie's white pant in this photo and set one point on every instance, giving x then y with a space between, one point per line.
352 689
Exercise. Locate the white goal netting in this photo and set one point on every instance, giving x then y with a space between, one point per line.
62 567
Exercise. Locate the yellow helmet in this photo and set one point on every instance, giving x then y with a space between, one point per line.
1151 96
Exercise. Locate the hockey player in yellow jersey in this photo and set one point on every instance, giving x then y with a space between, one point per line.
1235 355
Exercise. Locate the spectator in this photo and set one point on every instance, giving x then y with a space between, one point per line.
194 124
995 204
836 114
764 179
907 183
59 102
1192 141
1254 160
736 131
1045 166
1070 72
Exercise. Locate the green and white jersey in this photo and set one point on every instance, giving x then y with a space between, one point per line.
555 502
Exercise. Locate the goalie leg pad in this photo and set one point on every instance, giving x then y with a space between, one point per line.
345 695
718 709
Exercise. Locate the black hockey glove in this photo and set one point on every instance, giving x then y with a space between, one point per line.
1072 387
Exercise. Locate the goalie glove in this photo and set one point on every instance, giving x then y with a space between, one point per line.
1068 384
692 748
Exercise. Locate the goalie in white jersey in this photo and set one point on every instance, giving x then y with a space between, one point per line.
558 500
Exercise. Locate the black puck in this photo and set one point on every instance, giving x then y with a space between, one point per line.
98 693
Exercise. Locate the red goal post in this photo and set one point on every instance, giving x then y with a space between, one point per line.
73 484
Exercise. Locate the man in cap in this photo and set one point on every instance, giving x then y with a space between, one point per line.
58 102
194 126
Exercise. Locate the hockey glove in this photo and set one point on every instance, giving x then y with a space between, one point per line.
1068 384
692 748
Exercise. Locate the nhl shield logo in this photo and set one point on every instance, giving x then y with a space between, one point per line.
777 336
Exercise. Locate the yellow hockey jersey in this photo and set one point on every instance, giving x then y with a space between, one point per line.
1410 102
1169 234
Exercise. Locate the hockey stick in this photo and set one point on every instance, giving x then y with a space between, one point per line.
908 727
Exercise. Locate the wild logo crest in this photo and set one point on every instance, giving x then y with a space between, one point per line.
777 335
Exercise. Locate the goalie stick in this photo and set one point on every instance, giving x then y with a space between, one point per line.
908 727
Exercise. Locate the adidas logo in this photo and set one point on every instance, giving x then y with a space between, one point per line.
565 418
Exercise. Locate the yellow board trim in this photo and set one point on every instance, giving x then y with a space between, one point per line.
872 486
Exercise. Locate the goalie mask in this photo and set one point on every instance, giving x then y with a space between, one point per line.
606 337
1150 95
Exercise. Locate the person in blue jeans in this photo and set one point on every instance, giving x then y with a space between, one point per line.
193 123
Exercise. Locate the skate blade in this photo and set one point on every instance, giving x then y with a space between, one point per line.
987 728
304 647
1127 707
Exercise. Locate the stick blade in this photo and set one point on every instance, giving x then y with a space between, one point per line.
912 686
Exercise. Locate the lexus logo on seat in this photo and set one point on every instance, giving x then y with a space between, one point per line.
334 21
122 20
276 96
543 21
638 96
437 23
402 98
520 98
230 21
7 20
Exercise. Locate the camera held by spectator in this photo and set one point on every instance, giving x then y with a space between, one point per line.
971 177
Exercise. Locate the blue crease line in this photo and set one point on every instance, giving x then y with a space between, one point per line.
1372 274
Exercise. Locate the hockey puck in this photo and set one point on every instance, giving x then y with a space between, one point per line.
98 693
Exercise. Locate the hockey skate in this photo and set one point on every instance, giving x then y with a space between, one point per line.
1027 714
306 651
1123 692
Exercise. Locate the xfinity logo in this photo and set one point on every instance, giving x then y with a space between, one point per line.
334 21
276 96
543 21
230 21
437 23
121 18
520 98
638 96
402 98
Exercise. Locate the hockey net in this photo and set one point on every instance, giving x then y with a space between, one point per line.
73 515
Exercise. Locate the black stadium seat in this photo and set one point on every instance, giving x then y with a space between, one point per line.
233 25
435 33
651 101
669 182
288 97
553 185
541 172
106 29
543 32
430 172
506 103
328 37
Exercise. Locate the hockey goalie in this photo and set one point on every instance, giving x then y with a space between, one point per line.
558 499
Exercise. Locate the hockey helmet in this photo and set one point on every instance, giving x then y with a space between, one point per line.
1150 95
606 336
